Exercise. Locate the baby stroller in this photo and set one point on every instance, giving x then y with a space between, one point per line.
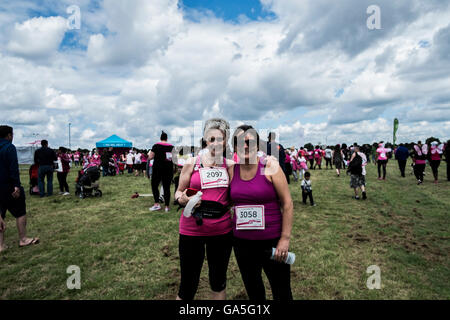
34 174
87 183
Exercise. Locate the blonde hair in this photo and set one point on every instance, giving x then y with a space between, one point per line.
219 124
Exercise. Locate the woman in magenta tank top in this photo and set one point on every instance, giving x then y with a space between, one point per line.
262 220
209 229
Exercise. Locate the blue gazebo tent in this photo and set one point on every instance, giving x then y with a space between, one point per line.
115 142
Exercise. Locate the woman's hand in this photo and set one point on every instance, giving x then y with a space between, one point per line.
282 250
184 199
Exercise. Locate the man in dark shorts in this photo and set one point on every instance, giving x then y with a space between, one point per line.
12 194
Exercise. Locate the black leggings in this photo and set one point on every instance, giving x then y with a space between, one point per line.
62 179
192 254
418 171
382 163
165 176
253 256
434 164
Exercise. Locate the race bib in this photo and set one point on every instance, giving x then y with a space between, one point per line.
213 178
169 156
249 217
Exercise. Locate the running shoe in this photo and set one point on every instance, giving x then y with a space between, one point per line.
166 209
155 207
66 194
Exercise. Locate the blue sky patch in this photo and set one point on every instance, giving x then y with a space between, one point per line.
229 10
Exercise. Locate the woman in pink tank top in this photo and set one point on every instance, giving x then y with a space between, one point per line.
263 214
209 228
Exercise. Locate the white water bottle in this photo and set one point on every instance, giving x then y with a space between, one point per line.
290 259
187 212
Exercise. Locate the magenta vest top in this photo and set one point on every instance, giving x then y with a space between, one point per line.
257 191
210 227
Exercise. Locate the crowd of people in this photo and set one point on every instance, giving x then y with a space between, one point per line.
233 198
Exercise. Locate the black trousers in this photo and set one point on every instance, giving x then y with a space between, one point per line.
418 171
402 166
448 169
382 163
305 195
253 256
434 164
165 176
328 161
287 172
62 179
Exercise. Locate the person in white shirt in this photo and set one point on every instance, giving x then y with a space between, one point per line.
137 163
130 161
307 189
328 156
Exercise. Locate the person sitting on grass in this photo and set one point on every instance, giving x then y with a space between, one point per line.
12 194
307 189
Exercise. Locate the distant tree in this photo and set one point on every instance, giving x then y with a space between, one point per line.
309 146
431 139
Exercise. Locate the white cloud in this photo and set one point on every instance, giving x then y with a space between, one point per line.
37 37
138 67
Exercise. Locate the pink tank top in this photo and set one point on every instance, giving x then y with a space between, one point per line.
382 153
210 227
257 191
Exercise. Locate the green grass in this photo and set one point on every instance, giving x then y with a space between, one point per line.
125 251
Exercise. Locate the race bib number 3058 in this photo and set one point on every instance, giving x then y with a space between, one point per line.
213 178
249 217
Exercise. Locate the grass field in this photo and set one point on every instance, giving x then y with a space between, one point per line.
125 251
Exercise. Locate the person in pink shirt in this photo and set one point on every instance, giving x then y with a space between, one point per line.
419 157
435 158
318 154
288 166
62 175
76 158
382 159
95 159
144 159
295 164
262 220
208 229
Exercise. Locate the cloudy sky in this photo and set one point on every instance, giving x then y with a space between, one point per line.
312 70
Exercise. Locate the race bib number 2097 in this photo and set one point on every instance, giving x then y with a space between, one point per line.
214 178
